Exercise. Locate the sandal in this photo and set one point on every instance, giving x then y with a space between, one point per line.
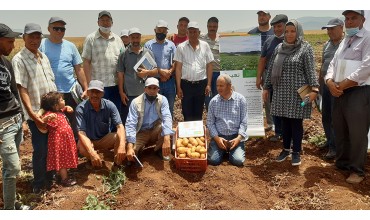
68 182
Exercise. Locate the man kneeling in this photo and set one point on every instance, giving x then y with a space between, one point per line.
149 122
227 124
94 118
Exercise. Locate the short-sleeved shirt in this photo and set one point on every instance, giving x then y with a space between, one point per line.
63 57
163 53
264 34
134 85
194 62
37 77
215 48
103 54
269 47
97 124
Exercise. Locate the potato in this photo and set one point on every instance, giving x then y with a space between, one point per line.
188 152
189 145
203 150
182 155
193 141
195 155
197 149
179 143
200 142
185 141
202 156
193 149
202 139
181 150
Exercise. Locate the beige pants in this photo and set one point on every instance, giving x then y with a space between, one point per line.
148 138
109 141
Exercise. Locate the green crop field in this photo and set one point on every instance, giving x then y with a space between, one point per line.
239 61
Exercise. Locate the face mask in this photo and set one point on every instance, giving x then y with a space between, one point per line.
150 98
105 30
160 36
352 31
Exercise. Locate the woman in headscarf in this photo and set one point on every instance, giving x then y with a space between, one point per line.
292 65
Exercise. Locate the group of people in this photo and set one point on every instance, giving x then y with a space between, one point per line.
127 110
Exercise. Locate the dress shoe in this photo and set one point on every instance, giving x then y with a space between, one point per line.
330 155
323 146
354 178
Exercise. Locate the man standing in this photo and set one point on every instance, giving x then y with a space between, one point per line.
212 38
149 122
335 33
182 31
228 106
95 118
351 103
34 78
65 61
263 27
164 51
130 82
10 120
278 22
193 73
125 38
100 53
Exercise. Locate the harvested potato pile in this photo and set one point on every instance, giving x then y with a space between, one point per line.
193 148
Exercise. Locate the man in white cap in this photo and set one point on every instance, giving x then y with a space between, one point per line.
65 61
125 38
164 51
335 33
193 73
100 56
10 121
34 77
95 119
130 82
149 122
263 27
351 119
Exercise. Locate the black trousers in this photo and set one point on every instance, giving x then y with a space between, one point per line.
292 130
193 99
71 116
351 121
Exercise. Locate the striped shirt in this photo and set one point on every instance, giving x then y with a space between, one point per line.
103 54
194 62
215 48
36 77
228 117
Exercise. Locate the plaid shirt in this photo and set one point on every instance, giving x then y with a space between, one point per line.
228 117
37 78
215 48
103 54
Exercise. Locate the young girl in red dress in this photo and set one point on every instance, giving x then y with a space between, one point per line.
62 150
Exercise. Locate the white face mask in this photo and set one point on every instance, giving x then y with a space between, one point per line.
105 30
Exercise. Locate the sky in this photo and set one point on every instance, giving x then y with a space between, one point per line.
82 19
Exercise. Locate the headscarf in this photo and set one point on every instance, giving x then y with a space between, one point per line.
285 49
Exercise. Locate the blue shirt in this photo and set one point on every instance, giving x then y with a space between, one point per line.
269 47
228 117
150 117
264 35
97 124
63 57
163 53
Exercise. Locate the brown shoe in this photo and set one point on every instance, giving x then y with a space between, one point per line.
354 178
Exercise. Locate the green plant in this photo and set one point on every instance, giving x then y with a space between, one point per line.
114 182
317 140
92 203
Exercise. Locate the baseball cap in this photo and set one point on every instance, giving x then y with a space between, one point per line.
5 31
360 12
162 23
279 18
193 24
151 81
124 32
333 22
266 12
55 19
32 28
96 84
134 30
102 13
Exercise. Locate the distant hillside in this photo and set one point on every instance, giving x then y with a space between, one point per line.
308 23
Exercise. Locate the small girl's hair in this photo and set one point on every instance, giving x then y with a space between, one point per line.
49 100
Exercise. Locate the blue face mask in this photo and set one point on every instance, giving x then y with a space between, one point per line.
352 31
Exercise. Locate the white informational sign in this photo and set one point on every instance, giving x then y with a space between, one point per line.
367 26
191 129
239 59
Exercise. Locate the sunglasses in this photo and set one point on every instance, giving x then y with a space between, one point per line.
62 29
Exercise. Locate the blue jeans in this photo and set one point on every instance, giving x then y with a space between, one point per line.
111 93
40 152
216 154
168 89
327 103
11 138
292 130
214 92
